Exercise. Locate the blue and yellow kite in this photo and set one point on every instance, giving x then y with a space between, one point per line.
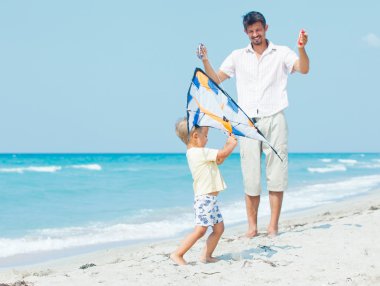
209 105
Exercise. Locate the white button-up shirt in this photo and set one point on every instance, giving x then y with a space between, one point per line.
261 82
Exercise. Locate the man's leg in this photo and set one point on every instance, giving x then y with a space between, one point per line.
276 169
250 153
252 206
275 199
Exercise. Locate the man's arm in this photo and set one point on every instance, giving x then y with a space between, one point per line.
226 150
302 64
217 77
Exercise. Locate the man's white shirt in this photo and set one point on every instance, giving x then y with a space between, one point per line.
261 82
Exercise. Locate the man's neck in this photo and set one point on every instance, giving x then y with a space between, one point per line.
259 49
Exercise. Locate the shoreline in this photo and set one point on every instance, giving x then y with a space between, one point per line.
331 243
42 257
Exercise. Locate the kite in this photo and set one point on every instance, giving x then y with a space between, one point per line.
209 105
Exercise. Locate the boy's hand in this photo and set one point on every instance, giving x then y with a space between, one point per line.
202 52
227 149
302 39
231 140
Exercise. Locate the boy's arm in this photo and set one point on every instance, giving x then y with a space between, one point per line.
226 150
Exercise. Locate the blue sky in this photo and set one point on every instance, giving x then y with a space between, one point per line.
112 76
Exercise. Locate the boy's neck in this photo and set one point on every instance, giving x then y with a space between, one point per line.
193 145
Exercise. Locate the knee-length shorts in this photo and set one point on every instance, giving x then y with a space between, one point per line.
275 130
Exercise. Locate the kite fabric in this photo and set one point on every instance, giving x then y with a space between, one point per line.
210 106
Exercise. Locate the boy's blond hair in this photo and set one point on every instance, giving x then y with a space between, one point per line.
182 131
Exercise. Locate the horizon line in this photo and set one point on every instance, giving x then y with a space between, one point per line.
169 153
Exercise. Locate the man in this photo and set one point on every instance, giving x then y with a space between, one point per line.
261 70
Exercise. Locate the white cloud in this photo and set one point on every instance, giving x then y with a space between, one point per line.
372 40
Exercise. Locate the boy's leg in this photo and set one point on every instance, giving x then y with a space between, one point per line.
212 242
187 243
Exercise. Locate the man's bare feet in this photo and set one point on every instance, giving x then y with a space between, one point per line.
251 233
178 259
272 232
209 259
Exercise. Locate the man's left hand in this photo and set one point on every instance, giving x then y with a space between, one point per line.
302 39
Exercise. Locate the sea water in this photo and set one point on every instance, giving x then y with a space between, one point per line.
66 202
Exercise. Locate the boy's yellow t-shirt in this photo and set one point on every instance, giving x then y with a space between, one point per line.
205 171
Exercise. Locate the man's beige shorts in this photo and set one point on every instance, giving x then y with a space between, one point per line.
275 130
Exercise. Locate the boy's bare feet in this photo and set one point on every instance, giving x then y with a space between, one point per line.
209 259
178 259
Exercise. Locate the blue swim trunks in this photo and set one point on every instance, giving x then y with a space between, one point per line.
207 211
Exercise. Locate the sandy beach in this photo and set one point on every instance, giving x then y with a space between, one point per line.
336 244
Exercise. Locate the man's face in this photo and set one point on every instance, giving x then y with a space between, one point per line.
256 33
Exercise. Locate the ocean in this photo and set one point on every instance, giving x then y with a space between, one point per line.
73 203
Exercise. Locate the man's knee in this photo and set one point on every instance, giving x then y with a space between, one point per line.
252 189
252 199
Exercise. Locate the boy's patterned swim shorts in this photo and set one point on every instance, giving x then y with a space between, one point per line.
207 211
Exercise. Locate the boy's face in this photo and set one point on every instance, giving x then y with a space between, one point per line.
202 136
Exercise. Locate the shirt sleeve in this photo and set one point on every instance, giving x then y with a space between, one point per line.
290 59
228 66
210 154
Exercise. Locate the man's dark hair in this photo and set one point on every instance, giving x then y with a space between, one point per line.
253 17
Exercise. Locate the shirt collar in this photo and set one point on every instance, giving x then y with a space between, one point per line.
271 47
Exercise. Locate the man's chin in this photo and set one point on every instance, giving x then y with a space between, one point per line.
256 43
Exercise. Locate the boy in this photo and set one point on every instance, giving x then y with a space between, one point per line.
208 182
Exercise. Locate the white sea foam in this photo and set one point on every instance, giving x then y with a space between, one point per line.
11 170
326 160
370 166
348 161
94 167
56 239
49 169
337 190
40 169
328 168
